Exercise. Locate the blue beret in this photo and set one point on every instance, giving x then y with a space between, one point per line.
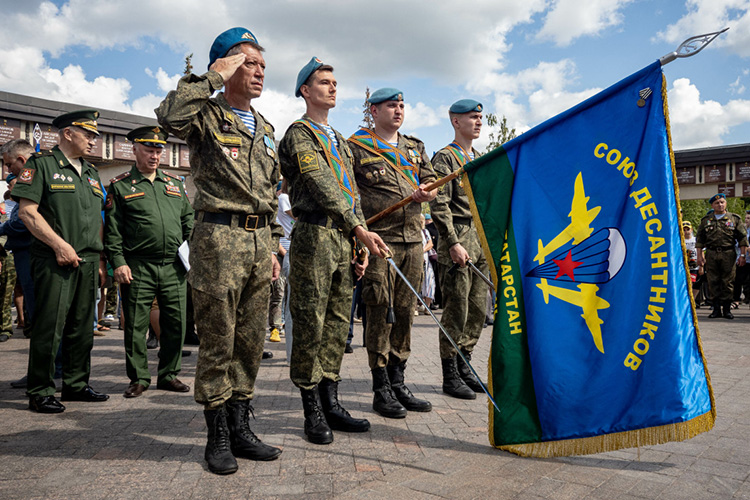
305 73
716 196
227 40
10 178
386 94
465 106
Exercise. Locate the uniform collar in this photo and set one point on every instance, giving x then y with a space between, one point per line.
137 176
238 123
62 161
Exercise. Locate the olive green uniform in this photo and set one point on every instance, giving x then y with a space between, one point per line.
145 225
320 272
464 293
717 238
65 296
235 175
381 186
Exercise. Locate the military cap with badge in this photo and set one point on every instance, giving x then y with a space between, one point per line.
386 94
227 40
84 118
155 137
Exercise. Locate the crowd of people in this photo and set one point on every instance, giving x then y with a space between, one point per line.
273 238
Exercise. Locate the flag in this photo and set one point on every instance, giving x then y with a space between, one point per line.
595 343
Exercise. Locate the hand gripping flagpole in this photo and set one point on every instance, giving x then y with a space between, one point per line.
389 259
691 46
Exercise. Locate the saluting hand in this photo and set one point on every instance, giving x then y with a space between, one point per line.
226 66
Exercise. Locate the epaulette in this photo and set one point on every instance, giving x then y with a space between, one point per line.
120 177
266 122
39 154
412 138
173 176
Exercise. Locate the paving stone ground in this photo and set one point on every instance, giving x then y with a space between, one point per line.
151 447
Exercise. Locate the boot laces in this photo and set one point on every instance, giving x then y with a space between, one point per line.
244 429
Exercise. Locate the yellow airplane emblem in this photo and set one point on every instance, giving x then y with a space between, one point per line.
587 300
578 230
580 223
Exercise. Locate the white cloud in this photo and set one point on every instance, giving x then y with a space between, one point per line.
280 109
706 16
163 80
736 87
569 19
696 123
420 115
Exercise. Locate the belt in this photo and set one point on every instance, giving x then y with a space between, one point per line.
318 219
466 221
248 222
720 249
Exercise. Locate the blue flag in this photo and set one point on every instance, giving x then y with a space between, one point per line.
595 344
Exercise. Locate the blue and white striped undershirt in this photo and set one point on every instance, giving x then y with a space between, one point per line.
248 118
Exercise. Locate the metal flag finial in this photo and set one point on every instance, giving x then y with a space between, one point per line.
691 46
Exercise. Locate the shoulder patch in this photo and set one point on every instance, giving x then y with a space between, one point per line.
119 177
269 128
27 175
308 161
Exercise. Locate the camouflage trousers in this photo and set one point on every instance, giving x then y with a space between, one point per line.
230 276
464 295
7 284
386 343
720 269
320 297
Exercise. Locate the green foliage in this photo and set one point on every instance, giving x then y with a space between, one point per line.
501 136
188 64
367 119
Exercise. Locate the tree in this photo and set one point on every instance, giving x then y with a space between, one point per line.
367 119
695 210
188 64
504 134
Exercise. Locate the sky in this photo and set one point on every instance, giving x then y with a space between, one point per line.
526 60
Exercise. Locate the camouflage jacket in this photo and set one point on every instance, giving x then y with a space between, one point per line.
451 200
233 171
713 233
313 186
381 186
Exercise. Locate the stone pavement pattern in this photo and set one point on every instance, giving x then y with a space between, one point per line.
152 446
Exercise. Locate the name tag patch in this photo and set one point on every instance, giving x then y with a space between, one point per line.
134 195
62 187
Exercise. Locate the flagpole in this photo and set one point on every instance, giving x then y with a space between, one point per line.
691 46
409 199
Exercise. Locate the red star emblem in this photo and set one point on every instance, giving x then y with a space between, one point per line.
566 266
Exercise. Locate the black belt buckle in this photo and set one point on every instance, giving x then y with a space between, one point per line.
249 226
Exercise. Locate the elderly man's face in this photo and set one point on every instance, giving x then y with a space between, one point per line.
247 81
719 205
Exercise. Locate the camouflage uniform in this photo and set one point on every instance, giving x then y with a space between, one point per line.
464 293
146 222
718 238
381 186
320 276
7 284
65 296
235 175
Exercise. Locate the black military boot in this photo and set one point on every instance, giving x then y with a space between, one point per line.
727 306
717 310
337 417
242 441
402 393
453 384
465 372
218 455
316 426
384 401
